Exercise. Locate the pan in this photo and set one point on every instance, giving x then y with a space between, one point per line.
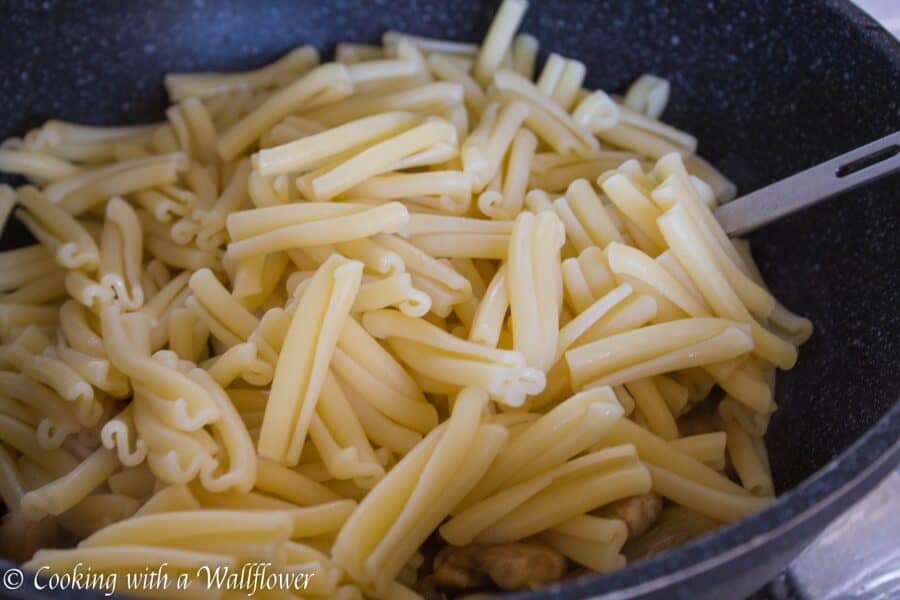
768 87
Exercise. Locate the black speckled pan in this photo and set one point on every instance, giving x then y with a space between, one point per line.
768 87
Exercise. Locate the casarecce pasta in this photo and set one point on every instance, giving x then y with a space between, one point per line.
324 313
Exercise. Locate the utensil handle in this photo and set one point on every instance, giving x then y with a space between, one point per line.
847 171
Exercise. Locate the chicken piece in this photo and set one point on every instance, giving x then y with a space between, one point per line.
515 566
522 565
638 512
459 567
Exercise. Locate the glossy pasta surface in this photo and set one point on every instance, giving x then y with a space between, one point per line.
422 321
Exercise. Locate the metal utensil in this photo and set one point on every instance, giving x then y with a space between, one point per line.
845 172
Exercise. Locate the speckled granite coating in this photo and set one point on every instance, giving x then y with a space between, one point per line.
769 88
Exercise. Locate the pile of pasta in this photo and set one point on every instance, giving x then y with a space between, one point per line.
413 321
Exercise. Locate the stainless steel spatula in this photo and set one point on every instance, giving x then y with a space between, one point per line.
847 171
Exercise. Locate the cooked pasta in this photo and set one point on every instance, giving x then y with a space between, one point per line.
405 322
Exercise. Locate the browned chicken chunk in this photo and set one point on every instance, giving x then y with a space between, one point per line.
459 567
515 566
638 512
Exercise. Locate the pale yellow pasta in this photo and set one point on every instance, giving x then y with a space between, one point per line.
119 433
380 429
430 45
174 456
36 166
62 234
396 290
64 493
15 409
83 191
371 537
437 279
551 498
360 224
29 343
12 487
653 406
20 266
67 383
337 419
676 187
83 143
41 290
350 53
306 522
483 152
423 99
558 174
508 385
445 69
15 317
291 485
304 357
654 450
211 234
372 373
487 321
135 362
126 559
24 439
625 260
515 179
332 78
498 39
636 207
121 265
708 448
174 255
548 120
648 94
723 189
680 231
136 482
246 224
524 54
171 498
658 347
575 330
674 393
590 541
519 458
295 62
561 79
194 128
456 186
60 420
215 299
317 149
535 286
713 503
434 141
587 220
586 278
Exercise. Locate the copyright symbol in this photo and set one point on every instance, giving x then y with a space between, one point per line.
13 579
